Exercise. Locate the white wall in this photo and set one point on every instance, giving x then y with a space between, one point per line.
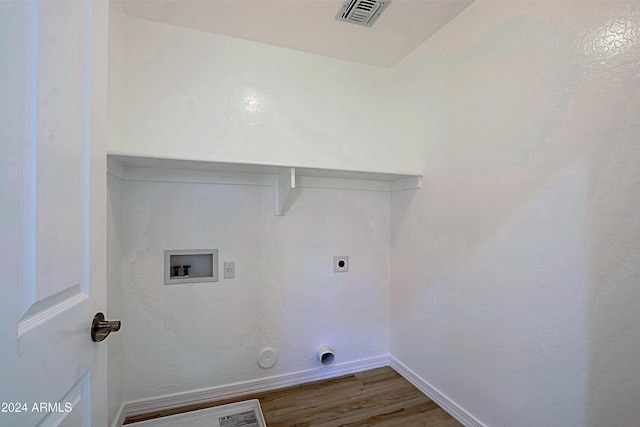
200 96
181 338
186 94
515 269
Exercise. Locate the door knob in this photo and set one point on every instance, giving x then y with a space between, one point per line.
101 328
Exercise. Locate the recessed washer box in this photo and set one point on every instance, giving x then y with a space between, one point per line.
190 266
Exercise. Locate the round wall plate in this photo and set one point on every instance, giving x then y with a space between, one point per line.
267 357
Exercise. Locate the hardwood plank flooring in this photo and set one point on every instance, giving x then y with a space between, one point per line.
379 397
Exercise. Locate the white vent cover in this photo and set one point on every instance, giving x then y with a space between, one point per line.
362 12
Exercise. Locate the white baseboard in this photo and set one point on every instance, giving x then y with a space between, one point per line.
120 417
434 394
250 387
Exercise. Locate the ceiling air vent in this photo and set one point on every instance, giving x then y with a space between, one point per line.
362 12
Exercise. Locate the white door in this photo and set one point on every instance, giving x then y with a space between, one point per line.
52 212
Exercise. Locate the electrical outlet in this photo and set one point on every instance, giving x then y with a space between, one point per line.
341 264
229 269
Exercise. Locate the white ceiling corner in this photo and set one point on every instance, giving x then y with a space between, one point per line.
308 25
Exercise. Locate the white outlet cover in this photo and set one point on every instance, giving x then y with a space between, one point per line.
341 264
229 269
267 357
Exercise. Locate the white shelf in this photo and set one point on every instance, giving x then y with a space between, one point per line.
282 178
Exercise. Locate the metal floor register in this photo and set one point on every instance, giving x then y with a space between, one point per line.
241 419
241 414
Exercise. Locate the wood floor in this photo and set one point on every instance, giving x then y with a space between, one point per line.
380 397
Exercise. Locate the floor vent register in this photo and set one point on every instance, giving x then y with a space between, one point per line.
240 414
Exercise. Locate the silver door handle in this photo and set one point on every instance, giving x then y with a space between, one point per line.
101 328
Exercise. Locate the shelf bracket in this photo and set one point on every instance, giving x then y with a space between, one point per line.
286 181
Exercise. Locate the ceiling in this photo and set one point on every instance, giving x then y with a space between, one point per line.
309 25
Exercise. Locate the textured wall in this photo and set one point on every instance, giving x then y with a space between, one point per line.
186 94
196 95
516 268
285 294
